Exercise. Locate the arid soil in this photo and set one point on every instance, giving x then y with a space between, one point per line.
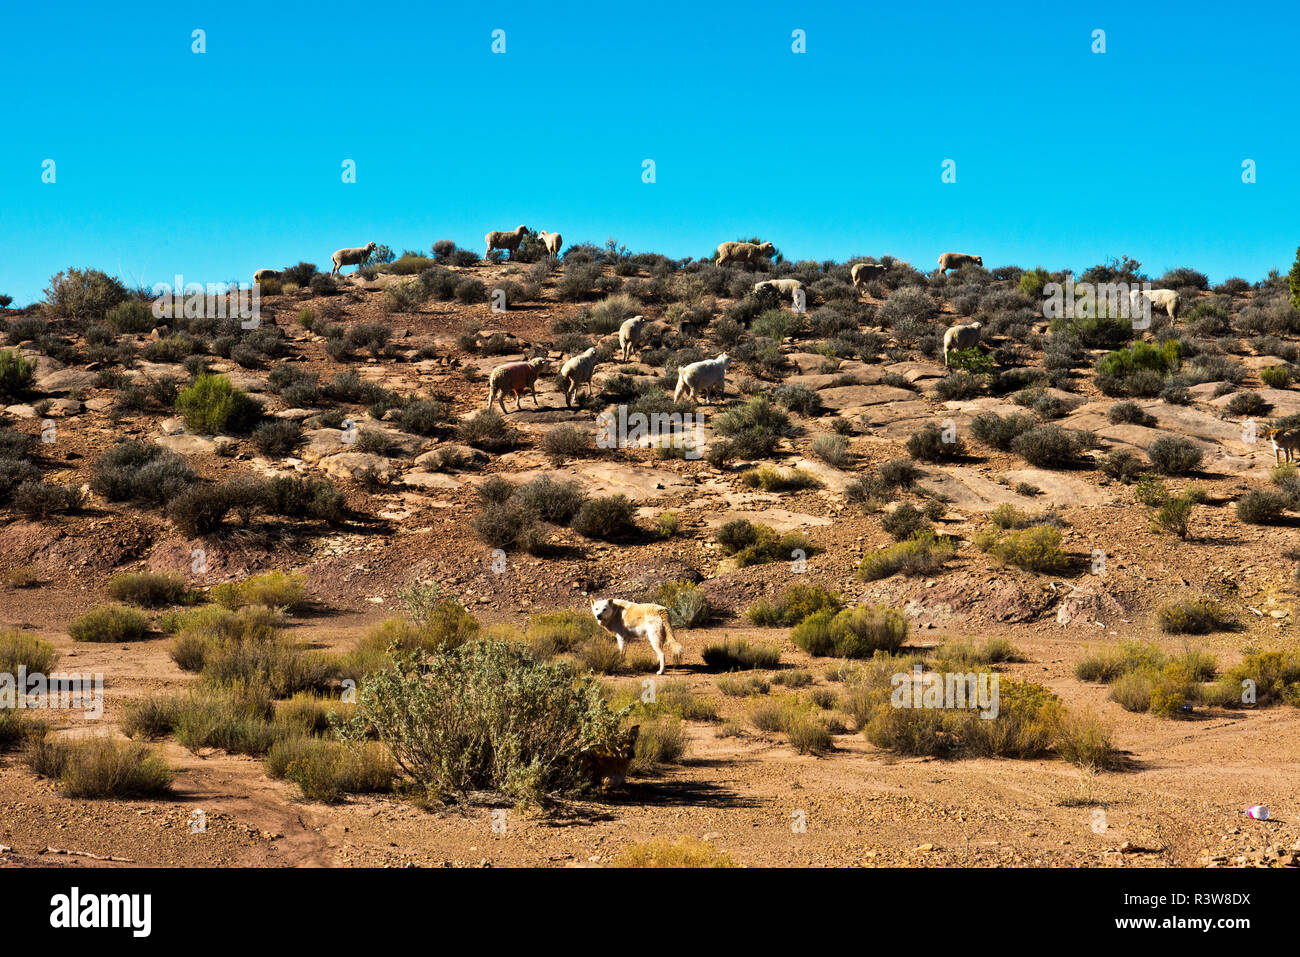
1179 799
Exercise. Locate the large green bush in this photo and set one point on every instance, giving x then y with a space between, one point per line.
212 406
487 717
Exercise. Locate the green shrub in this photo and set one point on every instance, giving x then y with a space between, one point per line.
923 553
150 589
793 605
19 649
325 770
738 654
101 767
551 500
487 716
134 470
687 605
1275 377
110 623
212 406
1194 617
1262 507
487 430
275 589
1174 455
608 518
755 428
751 544
16 374
1036 549
775 480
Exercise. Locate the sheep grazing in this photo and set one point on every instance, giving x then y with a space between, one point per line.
552 242
701 378
743 252
966 336
351 257
264 274
577 371
957 260
783 287
1166 299
505 240
863 273
514 377
629 336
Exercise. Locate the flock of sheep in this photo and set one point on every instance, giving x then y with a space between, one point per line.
696 380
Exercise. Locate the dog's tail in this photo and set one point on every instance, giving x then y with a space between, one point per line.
673 644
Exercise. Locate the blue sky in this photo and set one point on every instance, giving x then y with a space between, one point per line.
217 164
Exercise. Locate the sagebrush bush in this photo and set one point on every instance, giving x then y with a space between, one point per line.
1262 507
140 471
487 716
1035 549
932 444
608 518
100 767
1194 617
110 623
923 553
738 654
275 589
17 648
150 589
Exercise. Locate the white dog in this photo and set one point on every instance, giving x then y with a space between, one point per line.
627 620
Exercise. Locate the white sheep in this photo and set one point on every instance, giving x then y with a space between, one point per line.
577 371
701 378
505 240
514 377
966 336
957 260
783 287
743 252
263 274
629 336
1166 299
863 273
351 257
552 242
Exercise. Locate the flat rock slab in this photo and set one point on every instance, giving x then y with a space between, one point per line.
21 411
431 480
779 519
1060 488
65 380
186 444
966 490
831 478
863 396
915 371
62 408
639 484
349 465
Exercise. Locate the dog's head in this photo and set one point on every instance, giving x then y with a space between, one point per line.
601 608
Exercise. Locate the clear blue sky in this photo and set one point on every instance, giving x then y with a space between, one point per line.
217 164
